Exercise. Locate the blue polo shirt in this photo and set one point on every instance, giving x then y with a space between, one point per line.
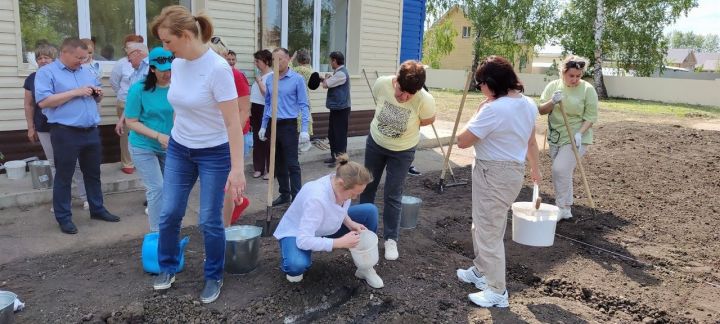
57 78
292 99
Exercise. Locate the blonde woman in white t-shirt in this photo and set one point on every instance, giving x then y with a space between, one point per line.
206 142
502 132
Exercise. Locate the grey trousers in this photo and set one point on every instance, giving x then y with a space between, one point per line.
563 167
495 185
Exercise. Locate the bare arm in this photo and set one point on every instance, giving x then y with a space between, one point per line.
244 106
261 85
428 121
533 157
136 125
546 108
466 139
236 179
585 126
29 106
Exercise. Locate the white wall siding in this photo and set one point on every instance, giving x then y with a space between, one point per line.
234 21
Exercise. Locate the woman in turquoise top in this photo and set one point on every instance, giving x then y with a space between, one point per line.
580 102
149 116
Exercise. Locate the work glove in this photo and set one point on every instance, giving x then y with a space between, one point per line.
304 137
261 134
557 97
578 140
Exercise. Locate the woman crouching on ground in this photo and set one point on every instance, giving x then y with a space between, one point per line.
502 132
320 218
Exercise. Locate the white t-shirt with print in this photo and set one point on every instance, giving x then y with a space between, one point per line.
196 89
504 127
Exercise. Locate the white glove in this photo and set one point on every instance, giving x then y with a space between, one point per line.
261 134
304 137
557 97
578 140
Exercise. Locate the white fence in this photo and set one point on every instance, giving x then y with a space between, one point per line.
695 92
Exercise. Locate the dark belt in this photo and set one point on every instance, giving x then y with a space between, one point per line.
74 128
287 121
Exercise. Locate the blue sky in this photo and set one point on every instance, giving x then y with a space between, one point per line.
703 19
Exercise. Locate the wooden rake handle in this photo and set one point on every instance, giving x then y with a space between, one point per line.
577 155
455 127
273 129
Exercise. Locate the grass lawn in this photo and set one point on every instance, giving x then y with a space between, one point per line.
448 101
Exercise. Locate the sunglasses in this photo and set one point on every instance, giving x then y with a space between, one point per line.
216 40
575 64
164 59
479 82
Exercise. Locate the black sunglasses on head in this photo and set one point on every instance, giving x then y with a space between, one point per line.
164 59
575 64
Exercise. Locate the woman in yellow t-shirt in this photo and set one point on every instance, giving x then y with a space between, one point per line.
402 107
580 102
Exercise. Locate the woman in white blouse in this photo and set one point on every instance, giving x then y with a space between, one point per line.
320 218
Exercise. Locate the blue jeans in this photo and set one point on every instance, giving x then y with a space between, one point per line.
379 159
295 261
150 165
70 146
183 166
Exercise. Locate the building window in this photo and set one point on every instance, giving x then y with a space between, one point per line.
466 32
105 21
318 26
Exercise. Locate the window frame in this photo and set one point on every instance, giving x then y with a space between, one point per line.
316 36
466 31
84 29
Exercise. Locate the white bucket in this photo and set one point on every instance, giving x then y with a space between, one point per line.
534 227
15 169
365 254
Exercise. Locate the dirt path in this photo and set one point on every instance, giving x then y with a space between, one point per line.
654 186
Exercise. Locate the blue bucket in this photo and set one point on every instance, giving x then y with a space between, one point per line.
150 260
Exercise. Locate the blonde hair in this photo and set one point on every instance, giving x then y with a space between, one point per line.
351 173
179 19
573 58
46 50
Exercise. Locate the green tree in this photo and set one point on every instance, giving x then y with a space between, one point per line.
438 42
510 28
631 32
697 42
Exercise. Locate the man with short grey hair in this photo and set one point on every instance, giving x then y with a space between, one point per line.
68 95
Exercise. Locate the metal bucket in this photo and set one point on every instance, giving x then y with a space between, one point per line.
41 174
409 211
242 248
7 307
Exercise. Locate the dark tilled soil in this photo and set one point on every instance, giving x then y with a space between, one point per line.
648 253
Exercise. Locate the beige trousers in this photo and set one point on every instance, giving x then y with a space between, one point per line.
495 185
125 157
563 167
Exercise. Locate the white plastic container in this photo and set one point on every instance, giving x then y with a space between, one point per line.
365 254
534 227
15 169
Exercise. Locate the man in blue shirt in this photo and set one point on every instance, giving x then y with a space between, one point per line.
68 95
292 100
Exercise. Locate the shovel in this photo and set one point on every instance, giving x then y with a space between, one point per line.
269 224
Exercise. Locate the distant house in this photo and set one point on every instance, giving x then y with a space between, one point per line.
461 57
707 62
682 58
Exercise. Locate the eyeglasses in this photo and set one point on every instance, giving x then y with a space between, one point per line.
164 59
216 40
575 64
479 82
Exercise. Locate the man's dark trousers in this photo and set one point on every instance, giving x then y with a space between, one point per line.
338 131
287 166
71 145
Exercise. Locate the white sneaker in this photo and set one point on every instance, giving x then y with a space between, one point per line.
489 298
565 213
371 277
468 275
146 211
86 206
294 278
52 210
391 252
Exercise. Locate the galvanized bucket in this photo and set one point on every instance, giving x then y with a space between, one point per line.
410 211
41 174
242 248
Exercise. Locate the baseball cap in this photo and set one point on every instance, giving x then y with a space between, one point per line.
161 59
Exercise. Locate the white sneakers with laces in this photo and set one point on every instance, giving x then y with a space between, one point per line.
391 251
469 275
565 213
371 277
489 298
